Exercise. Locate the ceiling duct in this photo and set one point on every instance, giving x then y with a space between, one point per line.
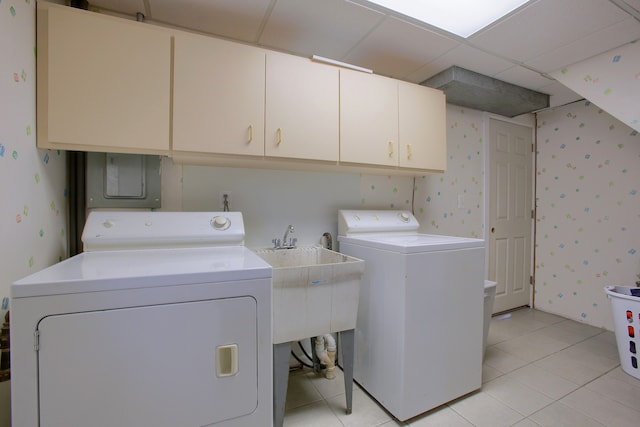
473 90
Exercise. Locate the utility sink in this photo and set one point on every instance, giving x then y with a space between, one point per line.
315 291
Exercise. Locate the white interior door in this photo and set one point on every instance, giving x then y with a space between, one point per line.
510 213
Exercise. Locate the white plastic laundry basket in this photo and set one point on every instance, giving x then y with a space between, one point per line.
625 309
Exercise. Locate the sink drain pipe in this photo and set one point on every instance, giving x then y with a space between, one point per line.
326 352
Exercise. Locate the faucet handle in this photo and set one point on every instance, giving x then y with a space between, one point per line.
276 243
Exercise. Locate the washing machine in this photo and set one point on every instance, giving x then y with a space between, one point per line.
163 320
420 314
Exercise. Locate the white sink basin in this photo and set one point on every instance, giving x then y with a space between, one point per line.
315 291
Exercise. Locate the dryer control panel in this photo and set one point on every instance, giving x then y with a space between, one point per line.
114 230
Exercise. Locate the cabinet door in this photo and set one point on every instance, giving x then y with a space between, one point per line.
301 109
103 82
368 119
218 96
422 127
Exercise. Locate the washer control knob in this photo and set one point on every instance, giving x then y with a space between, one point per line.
220 223
404 217
108 224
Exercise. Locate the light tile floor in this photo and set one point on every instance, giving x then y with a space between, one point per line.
539 370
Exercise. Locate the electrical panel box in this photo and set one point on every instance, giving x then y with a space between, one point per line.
123 181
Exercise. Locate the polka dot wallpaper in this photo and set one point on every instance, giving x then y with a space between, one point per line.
588 211
33 211
610 80
437 197
386 192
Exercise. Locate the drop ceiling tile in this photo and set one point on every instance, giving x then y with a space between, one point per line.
546 35
226 18
327 28
465 57
592 45
547 25
560 94
397 49
426 71
524 77
127 7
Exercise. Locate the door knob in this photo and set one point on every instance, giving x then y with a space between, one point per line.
493 229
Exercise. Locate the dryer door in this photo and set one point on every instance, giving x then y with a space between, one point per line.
166 365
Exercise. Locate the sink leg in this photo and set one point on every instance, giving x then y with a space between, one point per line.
347 341
281 355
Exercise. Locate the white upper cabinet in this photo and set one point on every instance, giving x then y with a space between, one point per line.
114 85
103 82
387 122
368 119
218 96
422 127
301 109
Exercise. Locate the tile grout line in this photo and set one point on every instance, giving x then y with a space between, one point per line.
581 339
554 400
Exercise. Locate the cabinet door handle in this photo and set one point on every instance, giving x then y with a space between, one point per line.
409 152
390 148
250 133
279 136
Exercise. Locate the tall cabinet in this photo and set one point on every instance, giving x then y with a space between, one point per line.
103 83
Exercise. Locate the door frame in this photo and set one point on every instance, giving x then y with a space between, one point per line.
526 120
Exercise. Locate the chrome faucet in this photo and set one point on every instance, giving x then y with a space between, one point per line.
285 244
290 229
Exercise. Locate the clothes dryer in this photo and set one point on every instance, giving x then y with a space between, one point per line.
164 320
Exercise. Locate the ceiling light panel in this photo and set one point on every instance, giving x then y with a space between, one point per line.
461 17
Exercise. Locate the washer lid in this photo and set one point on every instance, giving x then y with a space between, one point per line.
134 269
355 222
114 230
412 243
